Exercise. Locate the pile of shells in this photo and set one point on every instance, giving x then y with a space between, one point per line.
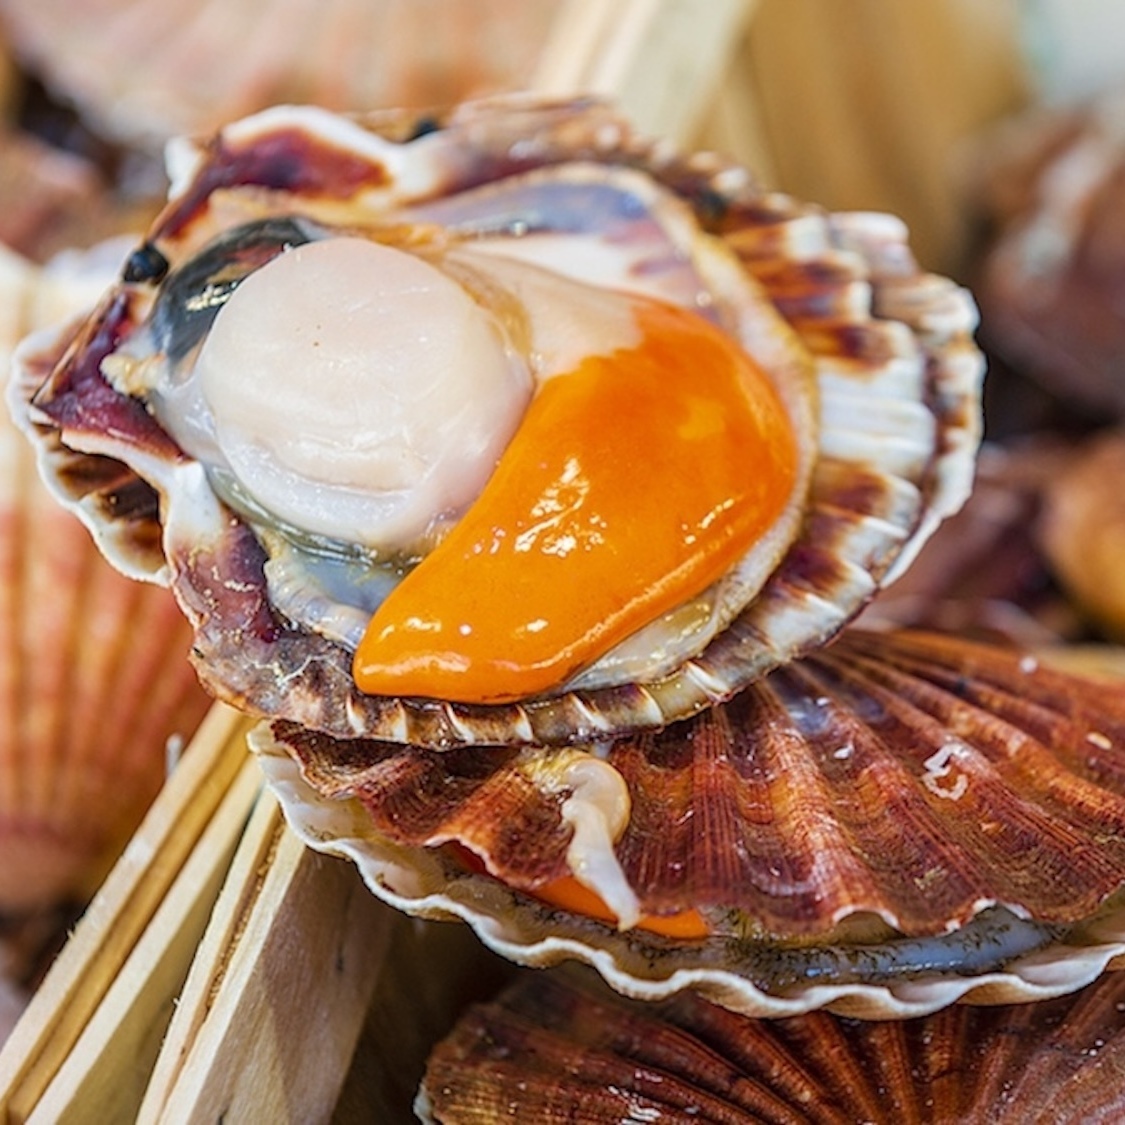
782 812
781 791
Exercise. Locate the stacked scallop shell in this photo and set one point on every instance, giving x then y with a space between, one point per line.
94 677
554 1043
788 815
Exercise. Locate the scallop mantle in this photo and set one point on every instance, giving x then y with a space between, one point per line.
897 384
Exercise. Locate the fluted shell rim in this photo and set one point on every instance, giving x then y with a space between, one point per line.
529 934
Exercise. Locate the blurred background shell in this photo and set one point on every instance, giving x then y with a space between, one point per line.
142 71
95 687
1082 530
1050 285
555 1043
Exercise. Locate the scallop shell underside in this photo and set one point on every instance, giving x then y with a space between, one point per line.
969 798
897 380
555 1043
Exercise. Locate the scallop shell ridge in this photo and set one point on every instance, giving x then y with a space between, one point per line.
553 1040
906 778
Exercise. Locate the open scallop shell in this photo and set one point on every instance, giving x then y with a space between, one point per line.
896 389
886 826
553 1044
94 677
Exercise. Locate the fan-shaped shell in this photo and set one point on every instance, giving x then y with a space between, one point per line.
897 383
1050 285
145 72
94 677
555 1044
885 826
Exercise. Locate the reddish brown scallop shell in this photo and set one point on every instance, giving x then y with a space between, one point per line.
887 825
552 1044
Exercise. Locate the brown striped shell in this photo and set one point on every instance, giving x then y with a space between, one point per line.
143 71
883 827
95 684
895 391
552 1044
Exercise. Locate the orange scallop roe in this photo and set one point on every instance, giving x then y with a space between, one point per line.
570 895
632 484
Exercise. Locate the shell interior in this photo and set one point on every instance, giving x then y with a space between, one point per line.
860 342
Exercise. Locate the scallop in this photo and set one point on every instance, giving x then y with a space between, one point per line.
554 1043
312 518
539 637
893 823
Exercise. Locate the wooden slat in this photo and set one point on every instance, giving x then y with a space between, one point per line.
283 984
111 1061
239 891
661 60
113 923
